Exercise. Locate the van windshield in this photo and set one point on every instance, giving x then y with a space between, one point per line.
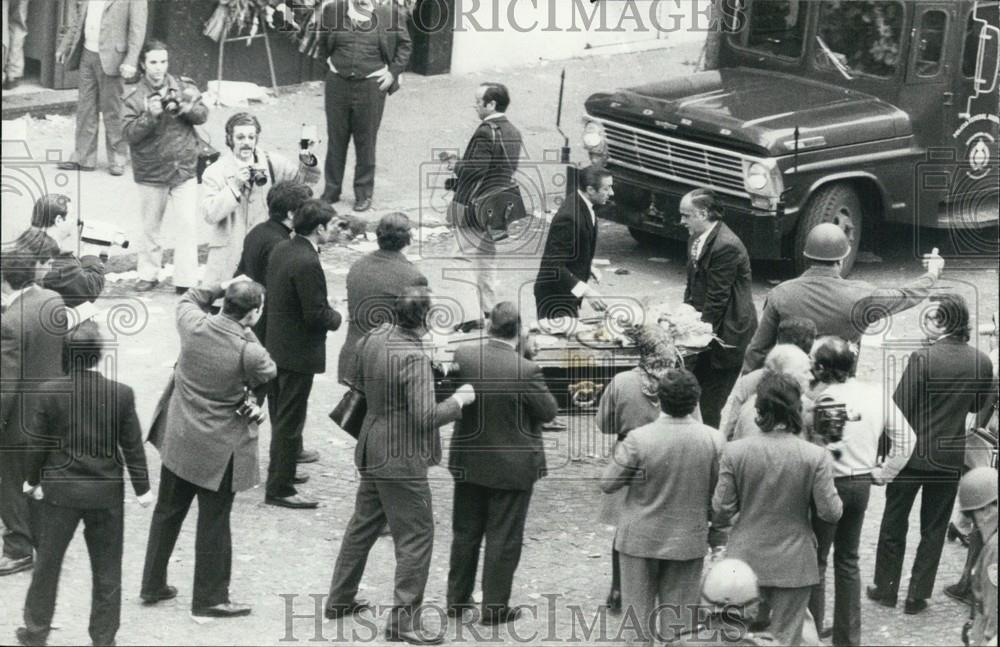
777 27
860 38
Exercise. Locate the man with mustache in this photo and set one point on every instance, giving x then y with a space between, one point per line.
235 193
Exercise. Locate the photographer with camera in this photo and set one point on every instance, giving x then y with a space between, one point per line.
159 120
848 417
209 444
76 279
235 192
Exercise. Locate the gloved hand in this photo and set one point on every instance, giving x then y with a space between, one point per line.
146 498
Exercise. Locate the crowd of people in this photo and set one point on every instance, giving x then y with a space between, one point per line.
757 454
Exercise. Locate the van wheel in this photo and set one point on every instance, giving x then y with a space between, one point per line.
839 204
646 239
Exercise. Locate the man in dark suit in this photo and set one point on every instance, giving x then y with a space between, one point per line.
103 45
298 319
209 446
32 352
90 428
77 280
373 283
496 457
399 440
489 163
283 200
366 48
561 284
940 385
718 286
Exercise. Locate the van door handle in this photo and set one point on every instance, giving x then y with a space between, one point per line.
948 97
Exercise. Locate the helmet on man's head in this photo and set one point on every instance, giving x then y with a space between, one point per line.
977 489
826 242
728 583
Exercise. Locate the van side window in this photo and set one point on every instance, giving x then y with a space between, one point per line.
981 16
930 42
864 37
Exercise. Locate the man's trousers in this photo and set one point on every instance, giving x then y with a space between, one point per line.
213 551
716 384
668 587
499 516
845 538
100 96
937 496
104 532
183 200
17 511
15 26
788 612
353 110
287 404
406 505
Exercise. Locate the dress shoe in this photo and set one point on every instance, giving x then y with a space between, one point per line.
912 607
116 170
614 601
142 285
73 166
224 610
554 426
955 534
300 480
825 633
455 609
494 616
11 565
362 204
295 502
166 593
307 456
413 636
336 611
959 593
25 637
884 599
180 290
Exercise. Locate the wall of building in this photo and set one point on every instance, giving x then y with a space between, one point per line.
499 33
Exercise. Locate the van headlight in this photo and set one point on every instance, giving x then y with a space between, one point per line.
762 178
593 137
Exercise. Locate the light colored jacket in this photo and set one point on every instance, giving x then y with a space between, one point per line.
670 467
232 215
123 30
203 430
771 481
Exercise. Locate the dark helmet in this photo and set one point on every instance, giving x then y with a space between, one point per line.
826 242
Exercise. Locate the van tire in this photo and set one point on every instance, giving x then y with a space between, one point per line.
836 203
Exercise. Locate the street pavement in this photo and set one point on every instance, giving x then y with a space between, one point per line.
283 559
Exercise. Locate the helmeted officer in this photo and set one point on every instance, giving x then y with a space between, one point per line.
977 497
730 594
838 306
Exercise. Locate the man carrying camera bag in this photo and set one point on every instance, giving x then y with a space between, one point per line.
487 166
159 120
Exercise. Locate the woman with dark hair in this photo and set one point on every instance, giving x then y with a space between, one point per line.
767 485
631 401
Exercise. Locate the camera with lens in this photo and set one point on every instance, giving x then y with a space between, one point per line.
830 416
306 139
170 102
258 176
250 411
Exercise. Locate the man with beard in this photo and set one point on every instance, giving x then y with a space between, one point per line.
235 190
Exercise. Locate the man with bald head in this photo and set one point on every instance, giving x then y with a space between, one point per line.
784 359
718 286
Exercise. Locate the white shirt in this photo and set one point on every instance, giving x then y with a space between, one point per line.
859 448
92 25
495 115
700 241
581 287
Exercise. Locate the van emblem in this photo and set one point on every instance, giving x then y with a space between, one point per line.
647 112
665 124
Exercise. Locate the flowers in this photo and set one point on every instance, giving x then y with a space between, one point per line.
239 14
